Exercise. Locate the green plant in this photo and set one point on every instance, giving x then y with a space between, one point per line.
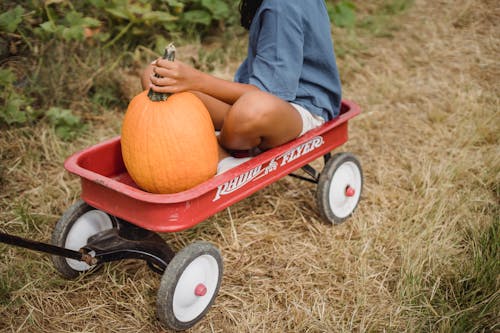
470 299
8 284
70 27
342 13
380 23
10 20
141 21
477 291
204 11
14 107
395 7
109 21
105 98
66 124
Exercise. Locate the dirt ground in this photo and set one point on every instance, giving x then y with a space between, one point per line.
428 141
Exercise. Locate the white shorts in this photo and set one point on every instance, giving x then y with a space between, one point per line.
309 120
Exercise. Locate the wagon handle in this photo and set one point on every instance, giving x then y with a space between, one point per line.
46 248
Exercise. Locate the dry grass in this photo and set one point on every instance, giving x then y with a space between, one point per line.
429 144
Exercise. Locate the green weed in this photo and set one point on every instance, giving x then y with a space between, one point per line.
10 19
104 97
380 22
478 293
14 106
10 279
66 124
342 13
71 27
353 27
469 300
6 287
394 7
59 56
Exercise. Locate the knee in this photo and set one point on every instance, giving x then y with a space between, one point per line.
245 123
250 112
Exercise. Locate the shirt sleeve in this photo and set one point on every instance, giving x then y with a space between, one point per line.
279 53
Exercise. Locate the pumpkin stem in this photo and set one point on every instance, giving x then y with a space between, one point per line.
157 96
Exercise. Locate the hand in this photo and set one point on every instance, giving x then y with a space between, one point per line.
173 76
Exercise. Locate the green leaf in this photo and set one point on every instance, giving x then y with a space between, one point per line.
48 27
10 20
73 33
90 22
198 16
174 3
218 8
139 10
157 16
120 13
74 18
98 3
66 124
6 77
11 112
344 14
72 27
58 116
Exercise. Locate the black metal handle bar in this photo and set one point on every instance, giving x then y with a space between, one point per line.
44 247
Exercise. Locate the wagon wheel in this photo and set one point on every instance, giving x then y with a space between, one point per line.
189 285
339 188
78 223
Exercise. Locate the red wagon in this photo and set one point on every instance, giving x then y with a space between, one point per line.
116 220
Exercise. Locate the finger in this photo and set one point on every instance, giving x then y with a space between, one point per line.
167 63
162 81
164 89
165 72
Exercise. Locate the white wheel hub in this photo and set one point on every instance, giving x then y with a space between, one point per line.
195 288
345 189
87 225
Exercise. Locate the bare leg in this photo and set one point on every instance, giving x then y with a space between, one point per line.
259 119
216 108
218 111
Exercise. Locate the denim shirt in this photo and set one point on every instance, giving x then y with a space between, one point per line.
290 55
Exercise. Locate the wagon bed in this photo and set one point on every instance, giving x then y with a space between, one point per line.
107 186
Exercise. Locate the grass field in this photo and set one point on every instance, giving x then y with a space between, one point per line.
420 254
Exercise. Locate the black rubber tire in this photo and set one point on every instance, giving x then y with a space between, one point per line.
170 278
325 183
60 233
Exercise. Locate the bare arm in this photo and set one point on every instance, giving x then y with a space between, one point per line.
177 76
226 91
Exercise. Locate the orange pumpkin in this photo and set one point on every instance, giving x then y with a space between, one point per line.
168 145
